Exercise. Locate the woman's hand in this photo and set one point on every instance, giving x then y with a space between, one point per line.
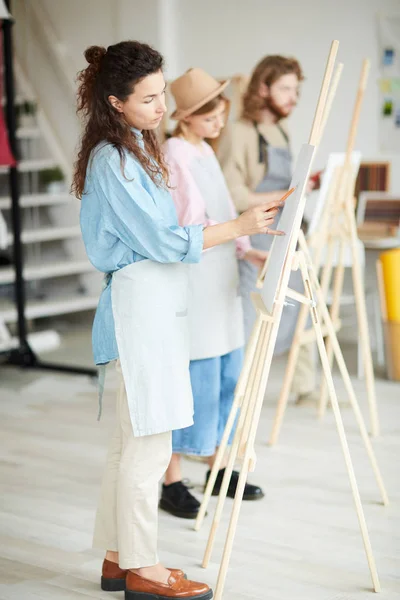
256 257
254 220
259 219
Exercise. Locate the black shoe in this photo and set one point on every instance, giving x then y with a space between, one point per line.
251 492
177 500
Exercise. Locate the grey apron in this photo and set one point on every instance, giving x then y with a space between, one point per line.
277 177
215 306
149 304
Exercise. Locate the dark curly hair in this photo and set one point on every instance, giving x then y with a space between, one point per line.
115 72
268 70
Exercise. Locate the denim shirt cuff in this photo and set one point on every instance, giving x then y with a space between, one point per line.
196 243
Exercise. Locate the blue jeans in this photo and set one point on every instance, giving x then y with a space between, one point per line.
213 384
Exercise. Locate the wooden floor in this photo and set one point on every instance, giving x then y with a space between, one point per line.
302 542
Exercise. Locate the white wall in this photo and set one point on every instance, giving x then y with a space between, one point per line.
77 24
228 37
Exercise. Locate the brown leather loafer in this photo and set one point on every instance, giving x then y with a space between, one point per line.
139 588
113 578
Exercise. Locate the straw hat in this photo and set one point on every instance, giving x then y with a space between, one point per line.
193 90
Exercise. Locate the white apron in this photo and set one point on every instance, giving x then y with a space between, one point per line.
149 304
215 304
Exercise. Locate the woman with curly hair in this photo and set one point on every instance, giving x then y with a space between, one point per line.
131 233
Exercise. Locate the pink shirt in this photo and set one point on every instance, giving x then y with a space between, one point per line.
189 202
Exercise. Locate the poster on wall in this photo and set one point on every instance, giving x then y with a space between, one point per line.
389 82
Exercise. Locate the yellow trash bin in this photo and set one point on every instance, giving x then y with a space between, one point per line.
391 280
390 302
392 347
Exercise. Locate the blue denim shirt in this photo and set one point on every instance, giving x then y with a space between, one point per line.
125 217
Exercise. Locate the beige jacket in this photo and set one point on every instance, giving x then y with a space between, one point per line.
238 153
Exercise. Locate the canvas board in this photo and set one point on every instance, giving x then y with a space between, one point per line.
335 160
290 223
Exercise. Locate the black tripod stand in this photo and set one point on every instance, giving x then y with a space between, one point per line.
23 356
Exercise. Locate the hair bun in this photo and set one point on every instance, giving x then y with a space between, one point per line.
94 54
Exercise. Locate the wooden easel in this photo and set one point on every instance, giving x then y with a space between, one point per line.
337 231
251 387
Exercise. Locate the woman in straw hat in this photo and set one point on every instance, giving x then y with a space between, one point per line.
131 233
215 308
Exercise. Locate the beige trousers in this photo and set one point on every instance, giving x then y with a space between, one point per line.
304 373
127 515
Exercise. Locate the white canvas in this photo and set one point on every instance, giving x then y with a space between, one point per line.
335 160
290 223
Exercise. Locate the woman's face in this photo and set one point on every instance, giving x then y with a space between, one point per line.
209 125
145 107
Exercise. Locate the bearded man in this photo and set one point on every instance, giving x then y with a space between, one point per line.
257 163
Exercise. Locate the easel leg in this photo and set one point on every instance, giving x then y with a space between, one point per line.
326 278
289 374
332 337
249 439
334 312
294 353
240 435
327 269
342 435
232 526
237 405
359 292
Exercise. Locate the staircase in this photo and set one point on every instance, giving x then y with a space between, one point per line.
56 270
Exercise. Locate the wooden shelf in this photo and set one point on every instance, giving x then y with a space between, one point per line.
46 271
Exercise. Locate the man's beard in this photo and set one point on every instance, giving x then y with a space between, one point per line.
275 109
